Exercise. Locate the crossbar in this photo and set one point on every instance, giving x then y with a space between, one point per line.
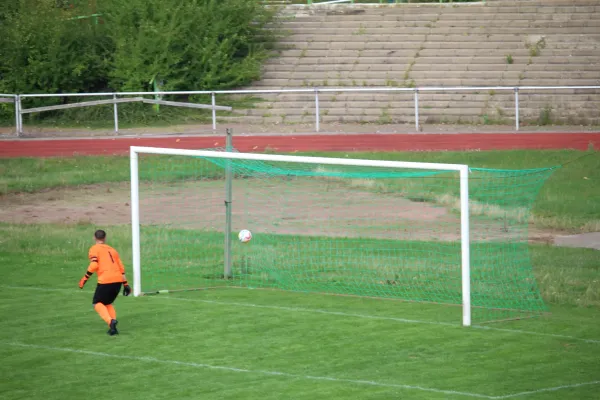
81 104
7 100
299 159
188 105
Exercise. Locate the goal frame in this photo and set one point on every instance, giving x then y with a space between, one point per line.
464 200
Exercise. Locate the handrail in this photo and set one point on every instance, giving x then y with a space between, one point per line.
309 90
516 90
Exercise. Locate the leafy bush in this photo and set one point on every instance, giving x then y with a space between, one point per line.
201 44
45 52
181 45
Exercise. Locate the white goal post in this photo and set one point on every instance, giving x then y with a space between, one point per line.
463 170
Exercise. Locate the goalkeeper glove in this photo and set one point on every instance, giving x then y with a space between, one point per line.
126 289
84 279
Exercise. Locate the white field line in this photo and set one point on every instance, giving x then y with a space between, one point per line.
384 318
328 312
296 376
550 389
248 371
309 377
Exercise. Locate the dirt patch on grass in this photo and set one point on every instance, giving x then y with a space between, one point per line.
585 240
95 204
283 206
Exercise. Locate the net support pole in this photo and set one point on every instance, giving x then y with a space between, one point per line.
228 196
465 246
135 223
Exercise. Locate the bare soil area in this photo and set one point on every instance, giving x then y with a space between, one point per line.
586 240
302 207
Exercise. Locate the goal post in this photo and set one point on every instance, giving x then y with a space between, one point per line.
357 227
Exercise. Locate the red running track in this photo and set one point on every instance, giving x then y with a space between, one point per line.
362 142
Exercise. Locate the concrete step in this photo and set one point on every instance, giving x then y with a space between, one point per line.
562 67
330 78
527 117
354 60
308 68
437 45
529 30
344 36
464 60
417 31
457 97
337 34
368 18
465 75
560 82
466 18
459 13
365 20
450 52
474 45
562 75
350 45
494 26
282 71
346 53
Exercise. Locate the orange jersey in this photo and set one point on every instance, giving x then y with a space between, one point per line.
105 261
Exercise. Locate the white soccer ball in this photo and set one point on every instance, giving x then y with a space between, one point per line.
245 235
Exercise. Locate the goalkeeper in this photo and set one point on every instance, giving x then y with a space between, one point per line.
105 261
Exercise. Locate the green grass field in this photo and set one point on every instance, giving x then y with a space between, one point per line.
229 343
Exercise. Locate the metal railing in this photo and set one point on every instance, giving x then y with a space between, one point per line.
123 97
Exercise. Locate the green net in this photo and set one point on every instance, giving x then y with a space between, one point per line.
346 230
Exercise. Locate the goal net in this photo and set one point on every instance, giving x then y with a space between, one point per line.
429 233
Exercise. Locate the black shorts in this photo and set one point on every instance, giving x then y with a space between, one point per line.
106 293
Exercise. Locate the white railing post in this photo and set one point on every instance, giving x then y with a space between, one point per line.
116 114
16 99
19 116
317 113
417 109
465 246
135 223
214 111
517 109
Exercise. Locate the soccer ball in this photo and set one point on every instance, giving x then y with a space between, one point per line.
245 235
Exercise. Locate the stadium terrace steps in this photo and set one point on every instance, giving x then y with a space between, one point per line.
500 43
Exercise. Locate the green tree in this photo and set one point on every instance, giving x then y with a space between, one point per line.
184 44
43 51
187 45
